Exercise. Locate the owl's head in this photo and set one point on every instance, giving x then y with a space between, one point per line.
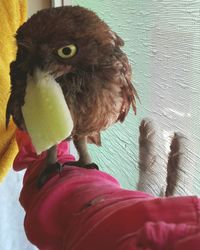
63 40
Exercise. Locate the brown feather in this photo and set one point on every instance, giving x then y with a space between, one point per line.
98 88
94 138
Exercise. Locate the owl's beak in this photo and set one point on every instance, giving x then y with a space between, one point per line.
56 72
59 71
38 75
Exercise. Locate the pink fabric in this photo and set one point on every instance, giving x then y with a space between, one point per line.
88 210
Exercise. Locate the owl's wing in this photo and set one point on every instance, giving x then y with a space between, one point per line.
13 109
16 99
8 111
128 92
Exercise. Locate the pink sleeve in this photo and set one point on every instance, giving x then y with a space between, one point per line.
87 209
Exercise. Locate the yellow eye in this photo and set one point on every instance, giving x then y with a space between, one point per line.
67 51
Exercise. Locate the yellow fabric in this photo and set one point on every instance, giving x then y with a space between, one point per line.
12 15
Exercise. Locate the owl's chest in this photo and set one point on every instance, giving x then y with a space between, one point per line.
95 109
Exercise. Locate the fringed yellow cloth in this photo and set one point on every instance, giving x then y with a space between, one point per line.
12 14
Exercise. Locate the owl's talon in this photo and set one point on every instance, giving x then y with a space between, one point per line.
91 166
47 173
81 165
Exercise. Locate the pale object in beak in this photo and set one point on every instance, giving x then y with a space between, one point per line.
46 114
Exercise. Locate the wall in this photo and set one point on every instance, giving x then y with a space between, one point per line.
163 44
35 5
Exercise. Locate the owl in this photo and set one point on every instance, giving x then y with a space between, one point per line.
84 56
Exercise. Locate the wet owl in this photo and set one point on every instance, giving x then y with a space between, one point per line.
84 56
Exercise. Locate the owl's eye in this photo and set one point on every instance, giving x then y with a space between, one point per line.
67 51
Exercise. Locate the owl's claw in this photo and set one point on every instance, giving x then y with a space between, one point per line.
81 165
47 173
